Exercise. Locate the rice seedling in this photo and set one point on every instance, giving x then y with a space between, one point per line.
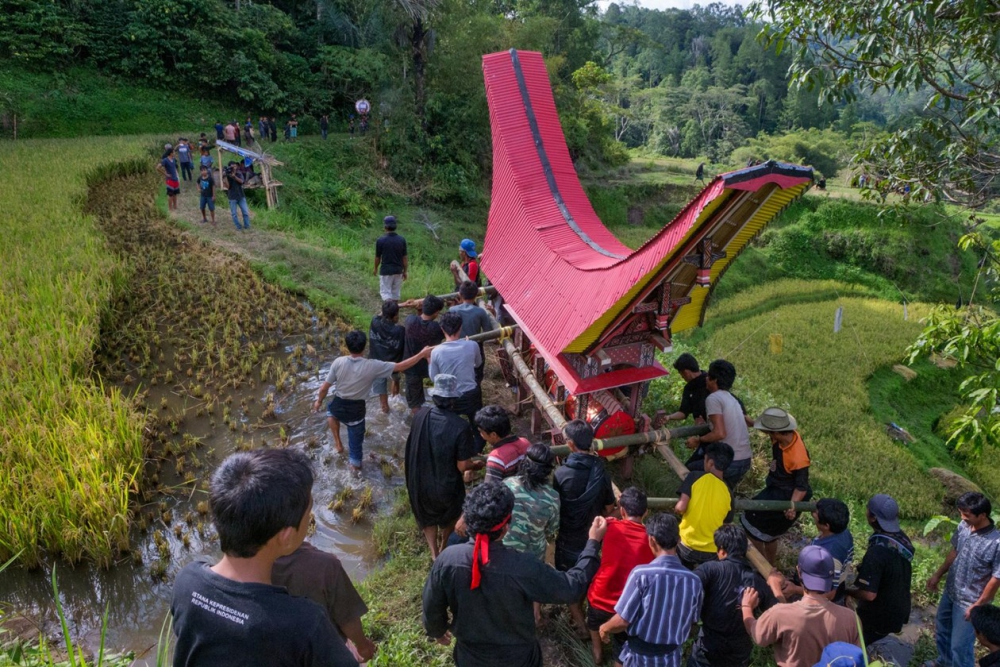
365 500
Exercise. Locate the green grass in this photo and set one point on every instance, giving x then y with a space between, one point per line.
79 102
320 241
72 448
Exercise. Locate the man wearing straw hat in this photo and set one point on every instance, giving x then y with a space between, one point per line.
489 589
788 479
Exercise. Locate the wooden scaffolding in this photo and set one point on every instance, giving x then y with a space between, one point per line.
265 161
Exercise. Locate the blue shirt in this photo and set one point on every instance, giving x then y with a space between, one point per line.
661 602
841 547
977 562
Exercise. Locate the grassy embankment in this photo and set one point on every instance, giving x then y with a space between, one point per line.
80 103
71 448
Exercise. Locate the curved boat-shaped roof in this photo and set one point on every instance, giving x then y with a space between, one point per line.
565 278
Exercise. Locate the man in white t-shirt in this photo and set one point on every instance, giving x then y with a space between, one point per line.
725 414
352 378
460 357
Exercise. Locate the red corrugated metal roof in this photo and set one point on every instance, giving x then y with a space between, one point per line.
559 268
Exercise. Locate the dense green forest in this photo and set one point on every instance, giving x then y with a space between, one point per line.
685 83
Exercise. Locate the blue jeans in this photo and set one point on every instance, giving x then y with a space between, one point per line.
954 635
355 443
242 204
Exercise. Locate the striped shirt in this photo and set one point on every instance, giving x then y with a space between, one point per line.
660 603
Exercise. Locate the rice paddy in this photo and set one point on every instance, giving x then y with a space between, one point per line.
70 448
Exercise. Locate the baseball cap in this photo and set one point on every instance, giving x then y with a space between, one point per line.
816 568
445 386
886 512
469 246
389 222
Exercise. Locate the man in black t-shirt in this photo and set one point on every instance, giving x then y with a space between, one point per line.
885 574
386 339
421 331
722 639
585 492
230 613
391 261
695 391
237 198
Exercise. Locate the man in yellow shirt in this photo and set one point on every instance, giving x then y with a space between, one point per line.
705 504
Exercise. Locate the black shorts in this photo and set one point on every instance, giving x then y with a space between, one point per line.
414 391
173 192
598 617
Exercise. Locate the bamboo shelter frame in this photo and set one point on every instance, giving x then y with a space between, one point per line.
266 162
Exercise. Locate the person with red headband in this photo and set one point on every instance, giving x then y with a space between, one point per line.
483 592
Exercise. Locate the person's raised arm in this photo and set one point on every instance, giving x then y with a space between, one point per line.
412 361
682 504
543 583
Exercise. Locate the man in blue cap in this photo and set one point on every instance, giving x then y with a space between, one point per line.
885 574
469 260
801 630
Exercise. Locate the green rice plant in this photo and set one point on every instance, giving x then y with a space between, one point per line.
70 448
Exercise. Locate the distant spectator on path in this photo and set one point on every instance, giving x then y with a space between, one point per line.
439 451
230 613
801 630
168 168
986 622
237 135
421 331
722 639
293 126
206 160
319 576
229 133
206 193
704 504
699 175
185 158
391 260
272 125
660 604
386 340
885 575
626 546
459 357
788 480
725 414
585 492
248 131
507 450
262 128
351 378
218 130
973 569
324 125
234 192
695 390
483 592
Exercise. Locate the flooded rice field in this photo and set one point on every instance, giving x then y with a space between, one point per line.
220 361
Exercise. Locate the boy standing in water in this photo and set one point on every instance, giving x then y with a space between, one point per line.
230 613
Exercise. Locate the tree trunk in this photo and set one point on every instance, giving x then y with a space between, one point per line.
418 43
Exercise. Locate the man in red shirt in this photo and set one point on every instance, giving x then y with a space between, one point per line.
626 545
506 449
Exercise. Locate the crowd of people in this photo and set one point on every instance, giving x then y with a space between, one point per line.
648 589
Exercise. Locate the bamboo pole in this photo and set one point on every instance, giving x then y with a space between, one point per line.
636 439
740 504
492 335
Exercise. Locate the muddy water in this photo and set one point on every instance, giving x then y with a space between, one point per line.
136 595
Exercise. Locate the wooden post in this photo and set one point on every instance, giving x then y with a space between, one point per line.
267 184
222 181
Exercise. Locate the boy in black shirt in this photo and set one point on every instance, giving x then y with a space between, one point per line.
229 613
206 191
385 342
